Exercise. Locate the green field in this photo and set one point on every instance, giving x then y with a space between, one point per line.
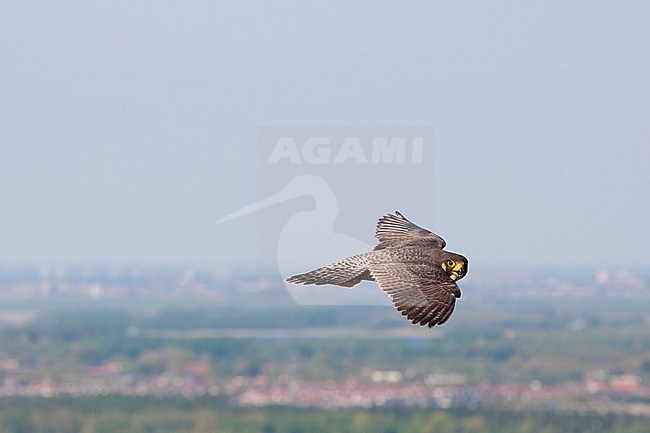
146 415
522 341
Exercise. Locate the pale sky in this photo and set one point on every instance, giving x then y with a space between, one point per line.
127 129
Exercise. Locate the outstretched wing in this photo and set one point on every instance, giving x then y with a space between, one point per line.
396 229
422 293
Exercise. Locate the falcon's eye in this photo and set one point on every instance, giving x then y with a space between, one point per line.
450 263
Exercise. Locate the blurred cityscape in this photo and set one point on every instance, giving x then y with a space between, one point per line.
568 342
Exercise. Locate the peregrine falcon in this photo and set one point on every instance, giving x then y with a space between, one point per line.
409 264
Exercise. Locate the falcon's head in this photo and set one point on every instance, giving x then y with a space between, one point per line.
454 265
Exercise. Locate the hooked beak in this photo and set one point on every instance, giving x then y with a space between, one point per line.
457 272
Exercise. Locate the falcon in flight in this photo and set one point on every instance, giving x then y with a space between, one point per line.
409 264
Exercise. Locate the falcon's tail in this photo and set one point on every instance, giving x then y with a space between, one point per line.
346 273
